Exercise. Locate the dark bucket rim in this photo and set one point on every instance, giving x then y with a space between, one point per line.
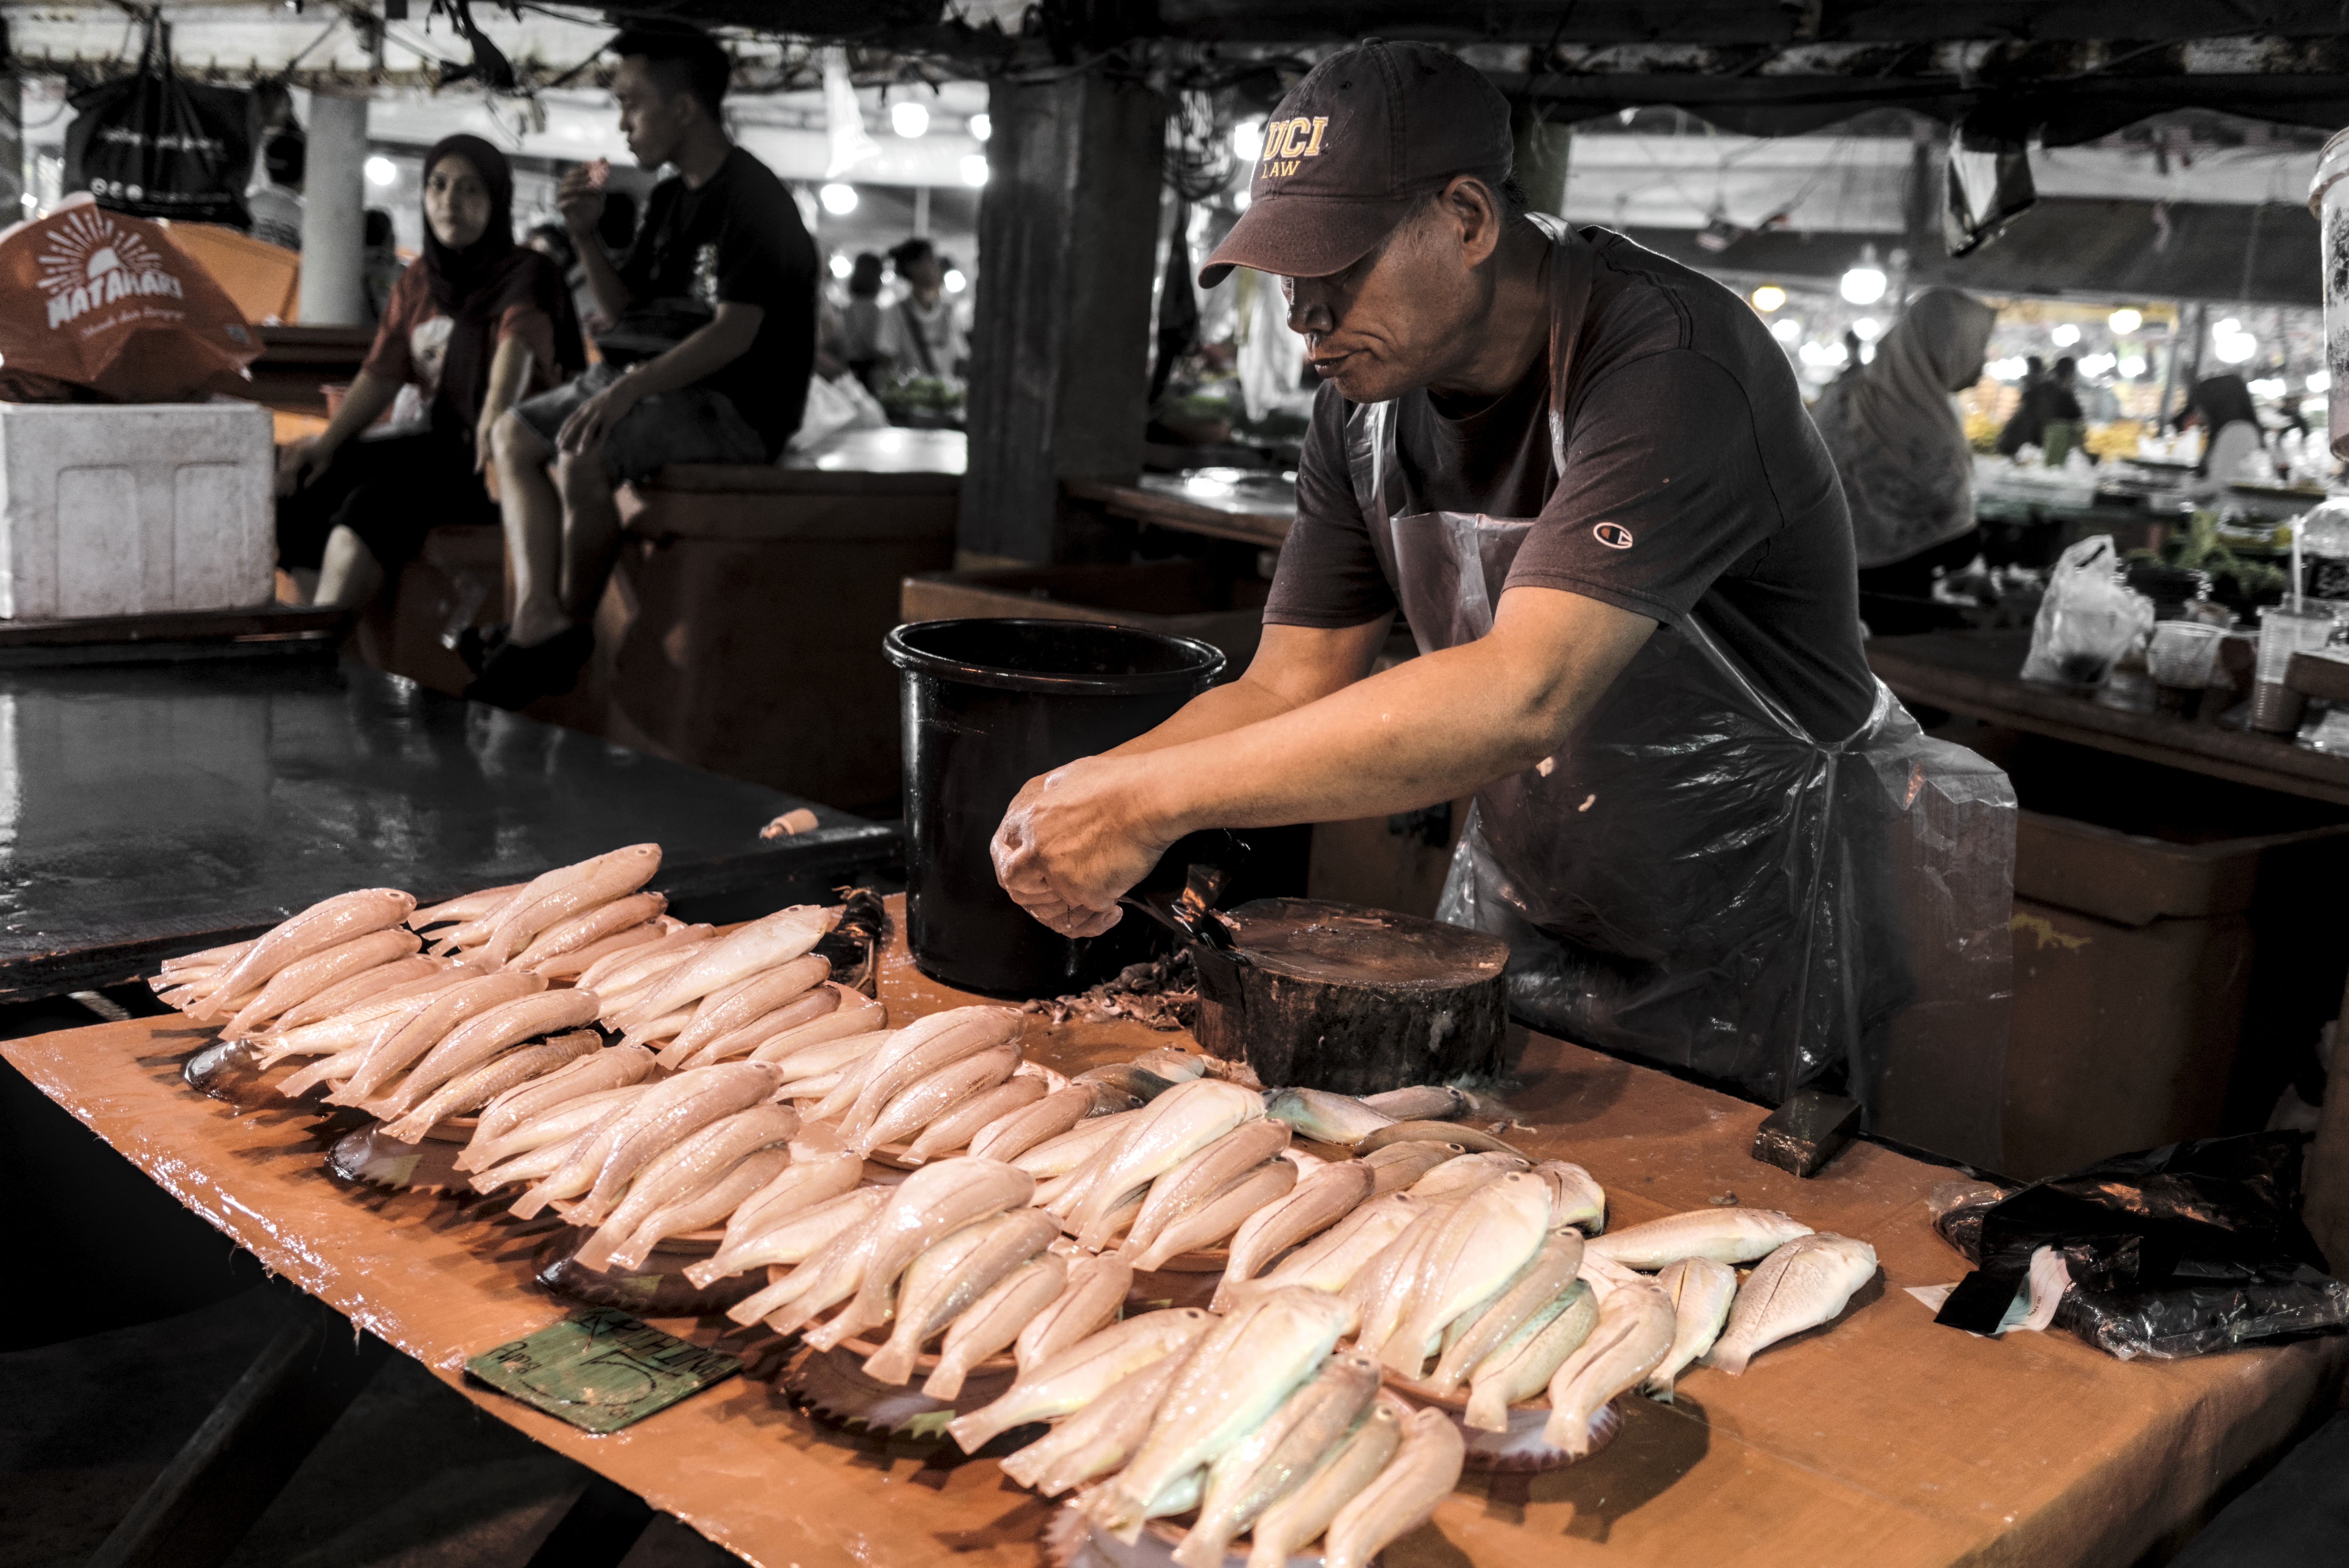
921 661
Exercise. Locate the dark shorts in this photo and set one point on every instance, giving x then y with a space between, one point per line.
690 425
390 491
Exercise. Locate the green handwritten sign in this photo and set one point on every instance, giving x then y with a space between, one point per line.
601 1369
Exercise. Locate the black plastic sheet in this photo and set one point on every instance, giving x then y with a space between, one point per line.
2173 1252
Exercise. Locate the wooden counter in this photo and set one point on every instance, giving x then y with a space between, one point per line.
1220 511
1978 673
1884 1441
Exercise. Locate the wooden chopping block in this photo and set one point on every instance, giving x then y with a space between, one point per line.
1336 997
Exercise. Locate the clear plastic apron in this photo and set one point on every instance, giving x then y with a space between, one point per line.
1694 879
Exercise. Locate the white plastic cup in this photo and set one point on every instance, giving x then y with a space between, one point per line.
2283 632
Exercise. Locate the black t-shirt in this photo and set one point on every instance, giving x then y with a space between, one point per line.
738 240
1687 448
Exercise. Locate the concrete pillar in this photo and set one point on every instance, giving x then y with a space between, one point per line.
13 172
333 213
1060 347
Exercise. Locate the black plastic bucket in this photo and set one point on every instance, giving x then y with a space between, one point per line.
989 705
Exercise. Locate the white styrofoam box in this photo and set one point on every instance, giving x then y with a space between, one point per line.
134 508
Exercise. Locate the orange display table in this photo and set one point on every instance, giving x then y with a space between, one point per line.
1883 1439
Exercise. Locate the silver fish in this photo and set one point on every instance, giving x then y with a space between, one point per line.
578 961
813 1057
579 1173
1100 1437
829 1276
1015 1132
475 1040
1223 1212
814 1176
1545 1276
684 1167
1523 1364
1095 1289
1196 1180
1424 1470
800 1241
633 912
932 1203
852 1015
993 1321
723 1090
1576 1198
1330 1261
915 1052
1382 1290
1325 1117
788 1238
954 1129
592 1074
1497 1229
1724 1235
1277 1457
327 924
354 989
808 1008
724 1011
472 1089
1458 1177
1399 1166
1081 1373
1359 1460
926 1099
1806 1283
714 1200
1239 1376
1063 1152
947 1278
1634 1335
559 1125
1173 1066
1311 1207
1180 1122
1701 1291
764 943
1420 1102
395 1049
1436 1132
559 894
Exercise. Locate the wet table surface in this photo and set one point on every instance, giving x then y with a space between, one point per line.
151 809
1883 1439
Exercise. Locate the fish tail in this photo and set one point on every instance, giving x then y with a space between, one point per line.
1729 1358
1486 1411
1659 1387
892 1363
976 1431
1203 1547
1569 1428
529 1205
945 1384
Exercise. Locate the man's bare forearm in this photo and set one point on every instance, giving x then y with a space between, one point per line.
1429 729
1294 665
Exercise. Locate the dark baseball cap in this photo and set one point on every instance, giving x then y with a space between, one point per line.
1353 148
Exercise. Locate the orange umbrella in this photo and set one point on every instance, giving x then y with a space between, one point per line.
106 302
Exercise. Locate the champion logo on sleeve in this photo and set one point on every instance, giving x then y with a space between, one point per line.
1613 535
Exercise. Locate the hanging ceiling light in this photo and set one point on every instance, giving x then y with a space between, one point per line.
382 171
1865 283
908 120
838 200
2125 321
974 169
981 126
1769 298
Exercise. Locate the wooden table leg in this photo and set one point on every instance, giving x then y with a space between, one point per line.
225 1477
2327 1178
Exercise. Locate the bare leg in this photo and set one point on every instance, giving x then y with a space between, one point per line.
533 512
349 574
297 585
591 534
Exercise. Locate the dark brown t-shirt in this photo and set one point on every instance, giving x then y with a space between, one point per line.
1687 448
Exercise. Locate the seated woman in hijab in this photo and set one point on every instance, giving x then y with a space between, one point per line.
2222 406
475 324
1898 441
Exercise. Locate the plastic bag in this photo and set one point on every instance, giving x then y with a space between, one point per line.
154 146
2088 619
106 304
833 408
2174 1251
